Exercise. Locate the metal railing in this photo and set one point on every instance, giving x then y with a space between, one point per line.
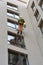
18 41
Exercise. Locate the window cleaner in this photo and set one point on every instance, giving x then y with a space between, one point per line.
21 24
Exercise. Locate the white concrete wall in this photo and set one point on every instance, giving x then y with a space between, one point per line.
37 31
34 54
3 35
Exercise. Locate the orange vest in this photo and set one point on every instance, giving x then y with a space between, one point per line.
20 27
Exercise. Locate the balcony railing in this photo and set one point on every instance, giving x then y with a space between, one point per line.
17 41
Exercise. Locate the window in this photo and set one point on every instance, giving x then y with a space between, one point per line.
37 15
41 26
41 4
10 5
12 14
15 58
33 6
12 25
15 39
10 37
12 58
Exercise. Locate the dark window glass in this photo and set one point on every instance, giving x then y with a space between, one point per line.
17 59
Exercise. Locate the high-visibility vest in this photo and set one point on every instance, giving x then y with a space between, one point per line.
20 27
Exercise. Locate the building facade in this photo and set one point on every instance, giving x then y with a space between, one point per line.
28 50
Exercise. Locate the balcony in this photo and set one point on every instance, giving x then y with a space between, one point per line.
16 39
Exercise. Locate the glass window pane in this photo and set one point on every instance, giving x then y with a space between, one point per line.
10 37
12 7
15 26
11 24
13 15
9 14
15 8
18 59
16 16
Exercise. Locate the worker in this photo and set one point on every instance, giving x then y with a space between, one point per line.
21 24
